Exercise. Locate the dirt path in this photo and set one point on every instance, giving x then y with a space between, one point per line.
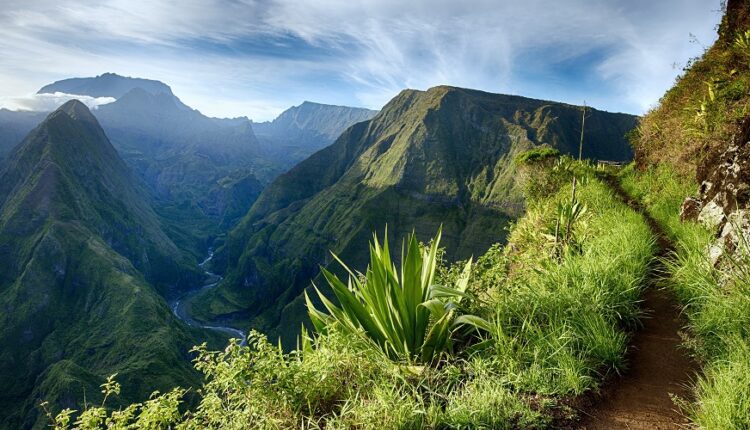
658 364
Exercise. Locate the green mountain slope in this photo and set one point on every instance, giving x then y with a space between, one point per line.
439 157
79 251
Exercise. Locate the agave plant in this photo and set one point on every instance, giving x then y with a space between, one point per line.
406 314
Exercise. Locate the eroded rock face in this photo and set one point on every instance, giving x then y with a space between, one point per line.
712 215
725 173
724 195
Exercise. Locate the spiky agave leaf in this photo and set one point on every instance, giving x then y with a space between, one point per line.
405 314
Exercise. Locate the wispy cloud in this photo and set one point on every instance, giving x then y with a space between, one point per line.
255 57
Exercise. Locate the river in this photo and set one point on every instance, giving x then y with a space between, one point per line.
180 311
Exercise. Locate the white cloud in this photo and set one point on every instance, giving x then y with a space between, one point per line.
50 102
371 49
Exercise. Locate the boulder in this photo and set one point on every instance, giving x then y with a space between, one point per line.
712 216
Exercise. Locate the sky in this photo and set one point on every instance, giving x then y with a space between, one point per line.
256 58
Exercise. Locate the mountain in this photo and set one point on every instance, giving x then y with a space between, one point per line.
14 126
81 252
196 166
106 85
203 171
438 157
302 130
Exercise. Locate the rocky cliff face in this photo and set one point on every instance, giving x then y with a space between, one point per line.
723 172
723 202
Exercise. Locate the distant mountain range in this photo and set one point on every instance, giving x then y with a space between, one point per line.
106 85
429 158
302 130
197 167
83 258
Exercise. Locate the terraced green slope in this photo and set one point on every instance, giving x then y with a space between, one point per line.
79 252
442 156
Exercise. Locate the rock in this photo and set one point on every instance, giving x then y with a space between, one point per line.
736 231
715 252
690 209
734 239
712 215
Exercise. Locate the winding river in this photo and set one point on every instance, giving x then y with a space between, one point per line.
180 311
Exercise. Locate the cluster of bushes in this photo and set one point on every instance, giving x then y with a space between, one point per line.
716 301
502 342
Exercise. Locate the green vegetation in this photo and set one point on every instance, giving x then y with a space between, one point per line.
554 322
408 316
715 300
537 155
677 146
81 253
701 111
417 165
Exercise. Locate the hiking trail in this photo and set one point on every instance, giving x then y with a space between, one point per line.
658 365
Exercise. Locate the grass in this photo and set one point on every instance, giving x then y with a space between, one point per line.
716 302
556 324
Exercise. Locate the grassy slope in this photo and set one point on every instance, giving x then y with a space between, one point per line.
428 158
695 120
717 305
558 329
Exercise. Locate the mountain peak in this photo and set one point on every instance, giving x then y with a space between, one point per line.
77 110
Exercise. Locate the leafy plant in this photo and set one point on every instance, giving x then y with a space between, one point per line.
742 42
406 314
569 213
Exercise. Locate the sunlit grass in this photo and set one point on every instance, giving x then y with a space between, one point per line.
716 303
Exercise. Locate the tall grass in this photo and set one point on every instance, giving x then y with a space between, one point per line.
716 302
558 328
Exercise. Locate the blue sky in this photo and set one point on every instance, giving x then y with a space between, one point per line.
256 58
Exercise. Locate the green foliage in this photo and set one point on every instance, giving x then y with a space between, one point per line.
414 166
540 181
715 301
742 43
569 214
557 327
407 315
551 329
537 155
701 111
